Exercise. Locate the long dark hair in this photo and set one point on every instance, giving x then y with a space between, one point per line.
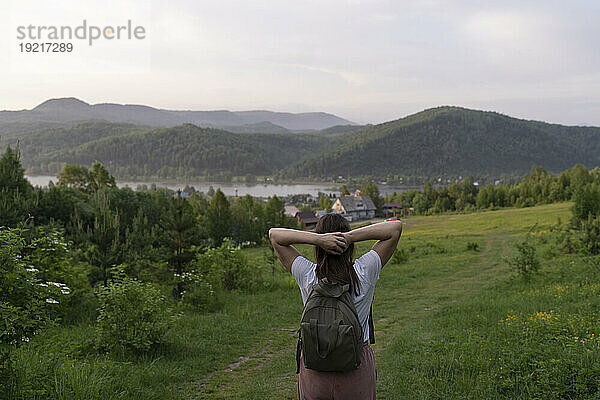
334 267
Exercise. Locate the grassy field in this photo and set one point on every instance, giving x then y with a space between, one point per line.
451 323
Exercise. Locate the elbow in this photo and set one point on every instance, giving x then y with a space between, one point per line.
396 228
272 234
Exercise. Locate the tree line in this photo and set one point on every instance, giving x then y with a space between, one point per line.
537 187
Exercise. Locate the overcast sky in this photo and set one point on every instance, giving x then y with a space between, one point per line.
364 60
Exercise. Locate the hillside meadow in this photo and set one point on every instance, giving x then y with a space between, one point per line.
452 321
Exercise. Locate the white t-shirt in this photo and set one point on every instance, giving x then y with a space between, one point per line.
367 268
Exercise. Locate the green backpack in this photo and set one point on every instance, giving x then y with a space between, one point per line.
330 335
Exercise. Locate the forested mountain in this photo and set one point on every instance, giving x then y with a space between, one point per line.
259 127
443 141
191 151
37 139
72 109
453 141
334 130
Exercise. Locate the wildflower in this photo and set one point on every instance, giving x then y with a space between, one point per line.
51 301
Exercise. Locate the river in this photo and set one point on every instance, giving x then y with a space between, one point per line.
240 189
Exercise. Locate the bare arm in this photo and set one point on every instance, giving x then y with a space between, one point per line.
387 235
283 238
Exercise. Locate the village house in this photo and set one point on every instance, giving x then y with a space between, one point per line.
395 210
291 210
392 209
354 207
307 220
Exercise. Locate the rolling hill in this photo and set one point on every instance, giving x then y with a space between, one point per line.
455 141
188 150
442 141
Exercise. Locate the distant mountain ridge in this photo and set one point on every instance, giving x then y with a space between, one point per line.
435 143
71 109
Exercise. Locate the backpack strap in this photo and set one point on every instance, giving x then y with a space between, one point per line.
298 351
371 327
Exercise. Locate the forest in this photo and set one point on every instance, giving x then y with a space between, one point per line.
439 144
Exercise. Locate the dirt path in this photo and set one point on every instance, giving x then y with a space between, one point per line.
416 300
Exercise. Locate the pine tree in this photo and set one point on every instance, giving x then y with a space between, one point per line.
218 218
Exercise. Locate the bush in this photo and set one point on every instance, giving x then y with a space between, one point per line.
526 262
200 291
26 303
472 246
591 236
400 256
586 202
133 315
52 256
433 248
229 266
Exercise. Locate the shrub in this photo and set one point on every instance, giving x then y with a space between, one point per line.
228 265
591 236
400 256
52 256
27 305
133 315
586 202
472 246
433 248
200 291
526 262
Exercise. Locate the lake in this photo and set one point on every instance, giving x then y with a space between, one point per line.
240 189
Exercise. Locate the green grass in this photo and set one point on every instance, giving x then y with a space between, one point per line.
450 323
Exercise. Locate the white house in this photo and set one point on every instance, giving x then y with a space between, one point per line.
354 207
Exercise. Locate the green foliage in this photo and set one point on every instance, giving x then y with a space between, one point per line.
180 236
324 202
53 257
218 218
27 304
133 315
248 219
101 239
526 262
274 213
16 201
86 180
201 291
586 202
400 256
591 236
370 189
12 174
230 267
432 248
472 246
